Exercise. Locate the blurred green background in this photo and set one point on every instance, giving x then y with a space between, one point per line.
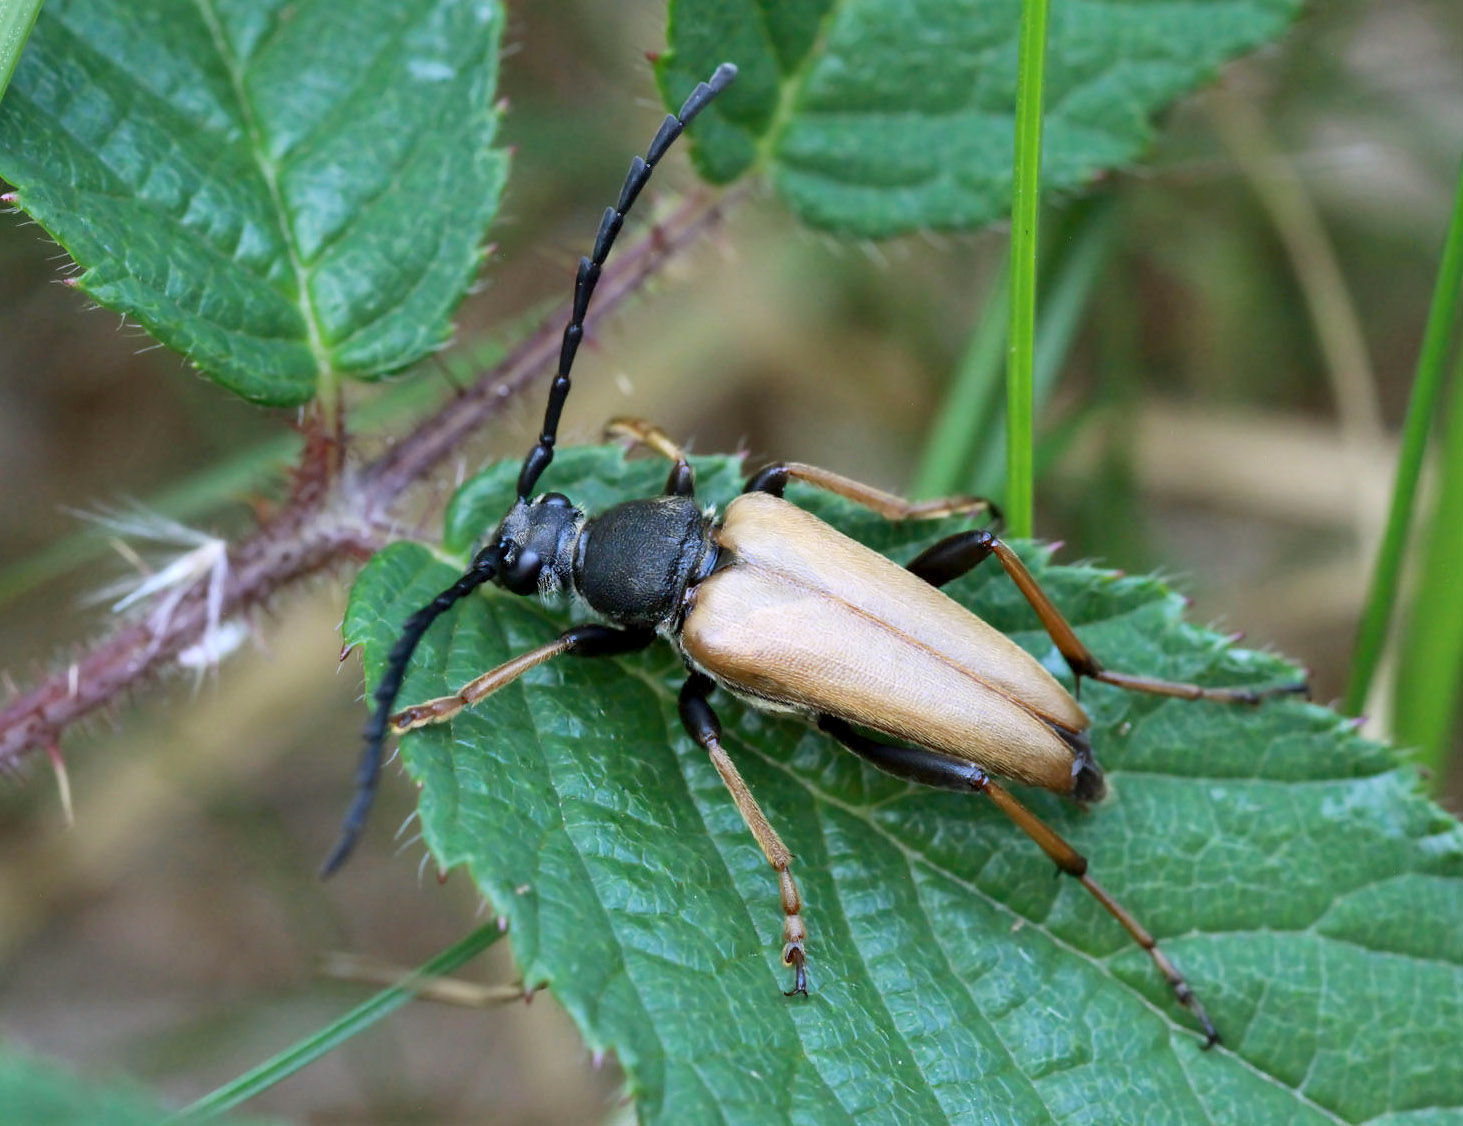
1226 413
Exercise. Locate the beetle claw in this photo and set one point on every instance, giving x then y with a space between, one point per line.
794 957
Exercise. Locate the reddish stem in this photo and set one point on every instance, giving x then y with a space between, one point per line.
331 516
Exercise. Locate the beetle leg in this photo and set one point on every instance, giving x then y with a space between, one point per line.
946 560
582 641
1075 864
774 478
946 772
682 481
705 728
955 555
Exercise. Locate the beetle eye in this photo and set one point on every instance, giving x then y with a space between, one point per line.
521 571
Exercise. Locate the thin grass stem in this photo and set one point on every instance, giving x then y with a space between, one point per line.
312 1047
1025 198
1430 661
967 419
1427 386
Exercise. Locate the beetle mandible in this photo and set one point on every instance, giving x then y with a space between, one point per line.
771 604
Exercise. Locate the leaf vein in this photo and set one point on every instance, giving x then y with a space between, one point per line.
969 990
270 173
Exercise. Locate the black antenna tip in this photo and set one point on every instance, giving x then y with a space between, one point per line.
723 77
338 854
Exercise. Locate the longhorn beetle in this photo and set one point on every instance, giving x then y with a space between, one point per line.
778 608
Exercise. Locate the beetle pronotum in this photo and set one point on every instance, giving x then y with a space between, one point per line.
776 607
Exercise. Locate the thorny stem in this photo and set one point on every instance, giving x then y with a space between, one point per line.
328 519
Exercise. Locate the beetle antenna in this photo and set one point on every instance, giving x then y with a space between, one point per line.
368 773
589 268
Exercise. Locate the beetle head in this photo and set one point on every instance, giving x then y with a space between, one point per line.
536 544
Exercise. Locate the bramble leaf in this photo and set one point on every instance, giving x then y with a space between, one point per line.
1289 867
284 191
877 118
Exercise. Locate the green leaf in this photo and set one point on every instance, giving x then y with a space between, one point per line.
1429 679
16 19
38 1092
876 118
285 191
1423 405
1290 868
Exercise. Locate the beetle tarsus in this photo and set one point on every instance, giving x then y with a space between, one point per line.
1206 1025
590 640
793 956
1187 999
919 764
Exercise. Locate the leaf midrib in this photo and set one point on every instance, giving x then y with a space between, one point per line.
789 92
269 172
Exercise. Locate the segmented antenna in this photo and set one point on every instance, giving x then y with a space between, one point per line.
614 217
368 772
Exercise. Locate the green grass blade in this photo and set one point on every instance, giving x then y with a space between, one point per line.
311 1048
1430 665
17 17
1080 256
1025 197
1426 390
967 419
966 451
